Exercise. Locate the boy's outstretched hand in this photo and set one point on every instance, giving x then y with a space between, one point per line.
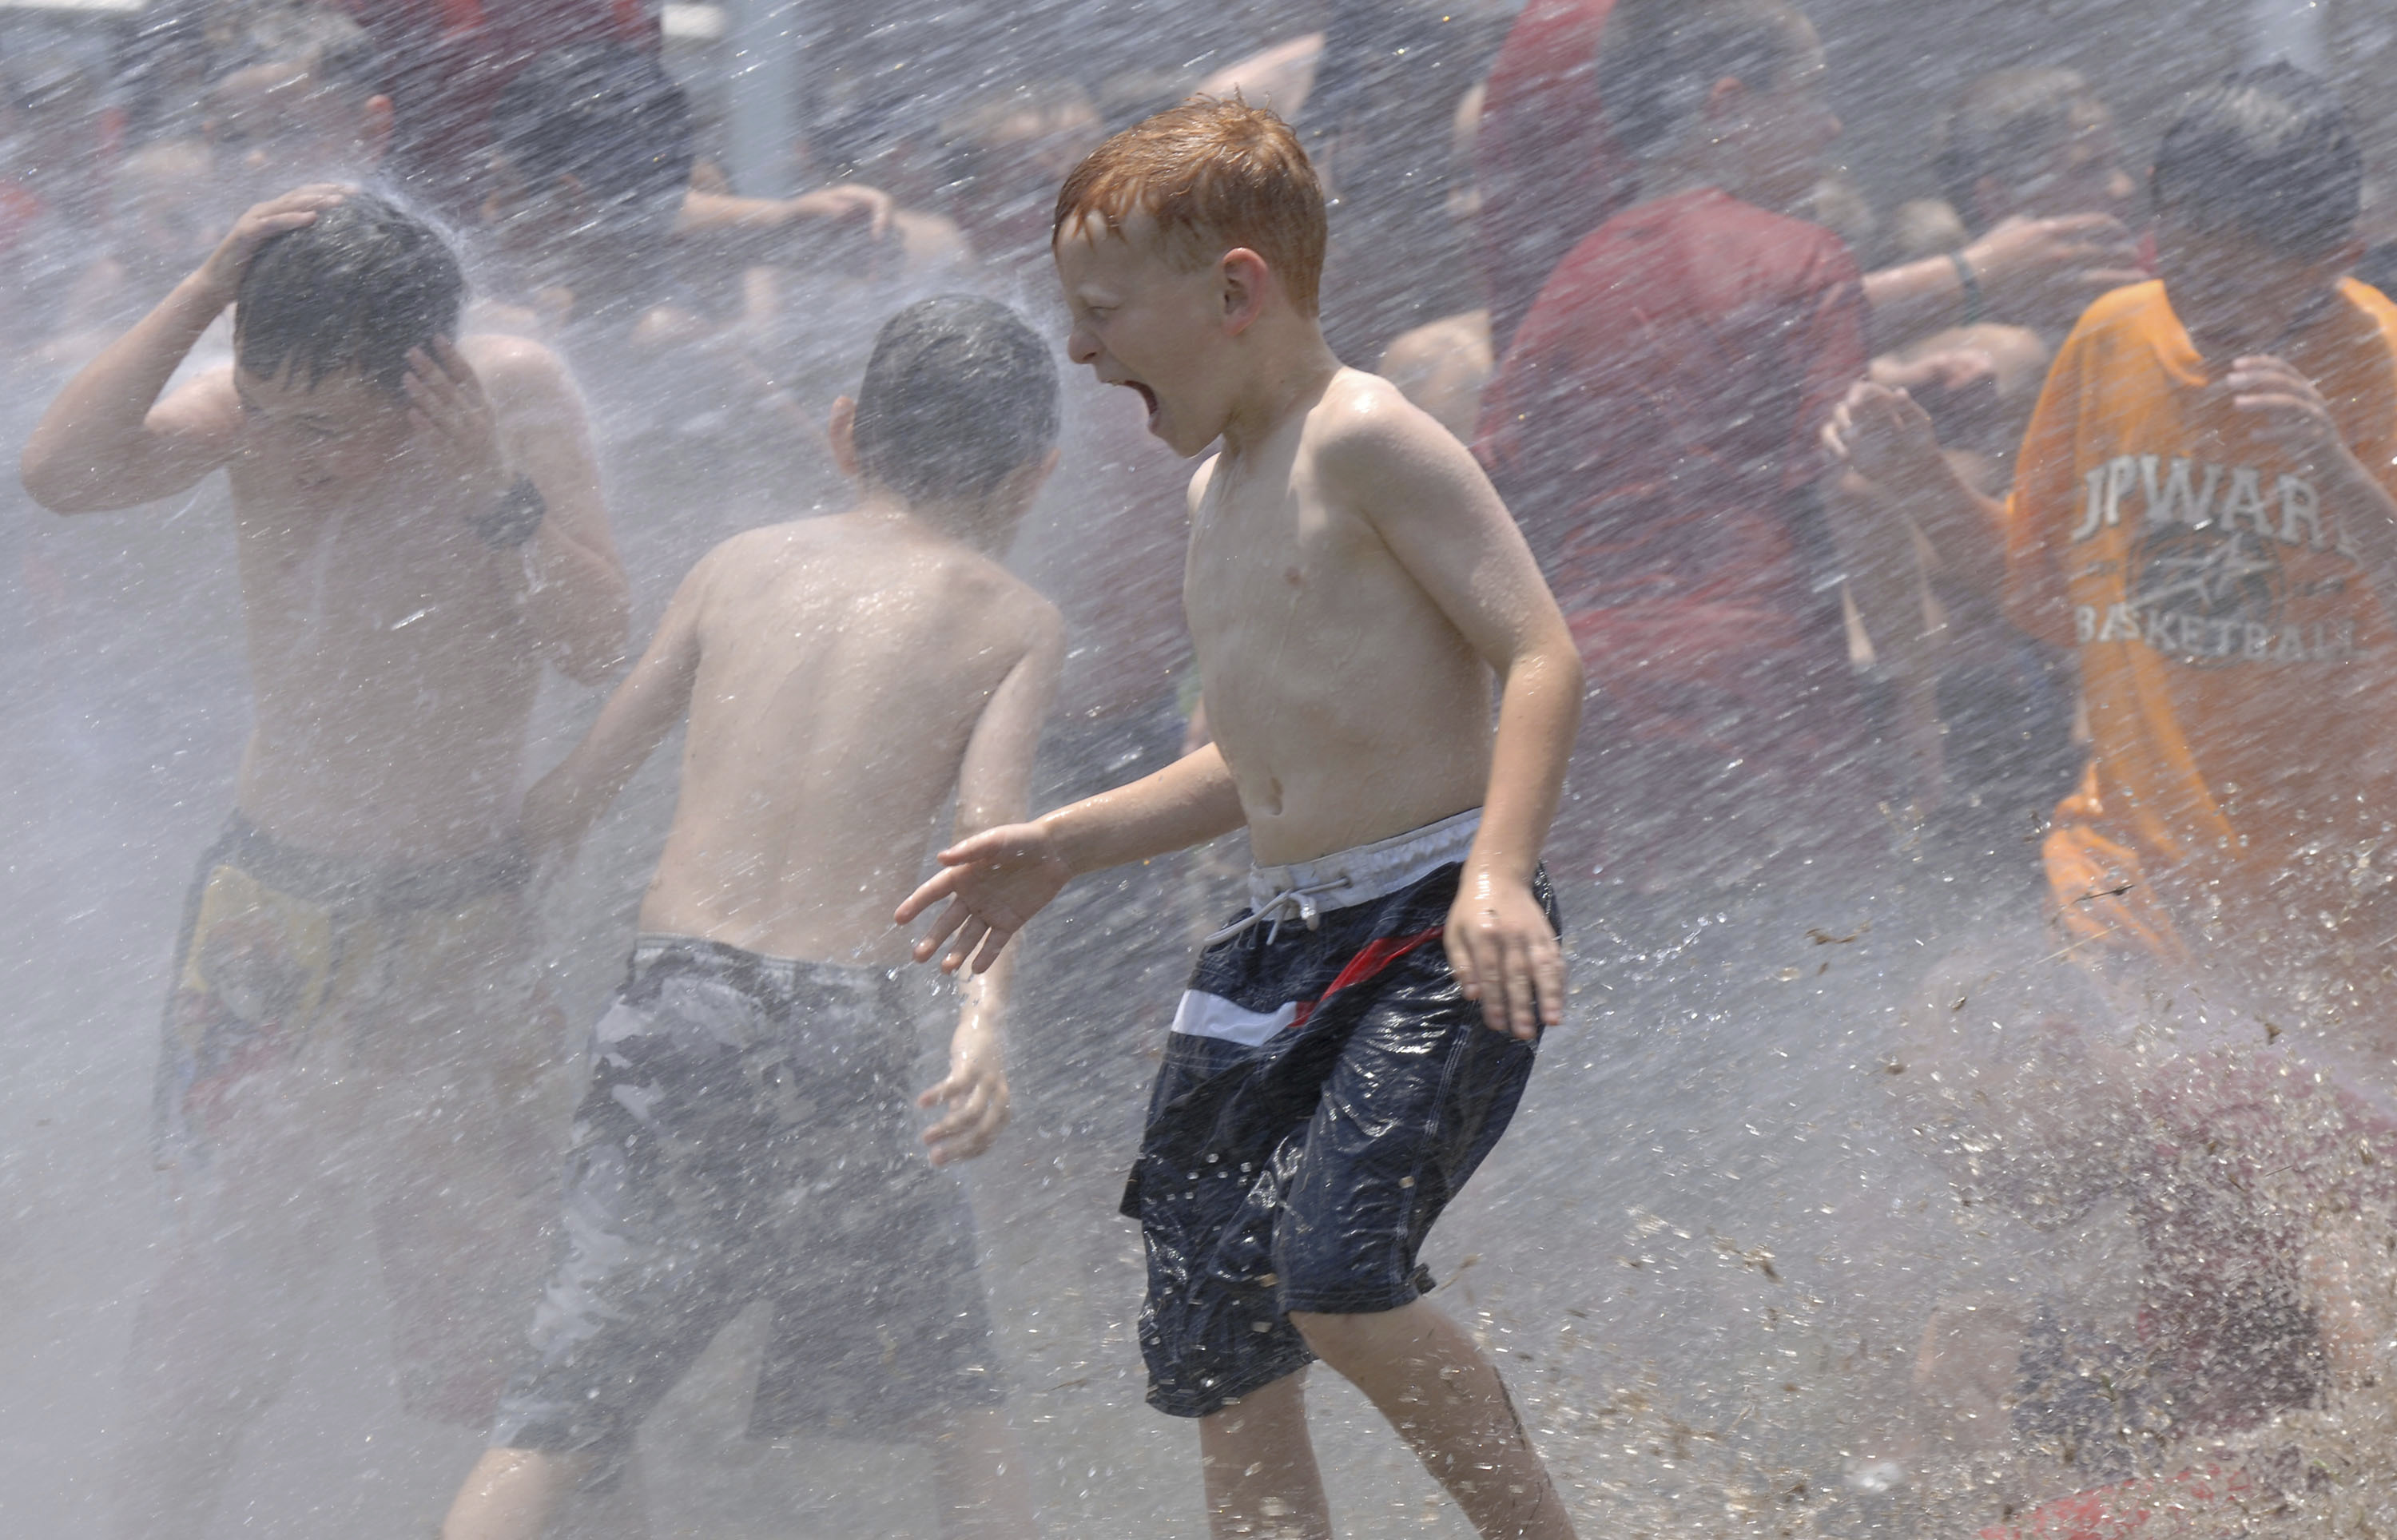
222 274
975 1094
995 881
1505 955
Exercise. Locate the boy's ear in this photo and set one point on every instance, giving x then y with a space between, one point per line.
1245 280
840 432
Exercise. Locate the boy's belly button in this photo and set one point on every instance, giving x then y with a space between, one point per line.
1270 803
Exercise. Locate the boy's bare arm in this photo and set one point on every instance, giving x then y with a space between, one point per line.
107 442
579 601
1427 498
993 788
999 878
563 804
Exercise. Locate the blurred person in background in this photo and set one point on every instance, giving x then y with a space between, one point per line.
1389 80
59 147
1984 713
297 94
1443 365
1550 172
587 181
2203 509
357 1011
1653 427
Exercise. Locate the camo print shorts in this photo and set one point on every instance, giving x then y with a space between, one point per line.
748 1134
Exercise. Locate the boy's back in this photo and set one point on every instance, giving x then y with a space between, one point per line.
843 664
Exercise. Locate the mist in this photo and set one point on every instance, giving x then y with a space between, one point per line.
1976 1091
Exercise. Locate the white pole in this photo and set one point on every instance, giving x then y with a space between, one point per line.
762 113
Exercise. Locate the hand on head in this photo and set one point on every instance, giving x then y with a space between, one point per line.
223 269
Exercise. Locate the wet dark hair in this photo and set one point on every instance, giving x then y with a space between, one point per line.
2267 152
2004 125
959 394
355 290
610 117
1659 59
329 46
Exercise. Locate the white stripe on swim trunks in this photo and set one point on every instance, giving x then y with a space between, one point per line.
1204 1014
1311 889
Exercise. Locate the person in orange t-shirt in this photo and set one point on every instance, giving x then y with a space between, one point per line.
2203 510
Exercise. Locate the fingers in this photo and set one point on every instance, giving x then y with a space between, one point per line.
1461 963
987 958
1549 978
2105 227
979 1112
943 925
969 941
941 885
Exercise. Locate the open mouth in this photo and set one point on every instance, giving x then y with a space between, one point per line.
1148 397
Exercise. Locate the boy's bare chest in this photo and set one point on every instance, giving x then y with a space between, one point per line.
1280 575
394 575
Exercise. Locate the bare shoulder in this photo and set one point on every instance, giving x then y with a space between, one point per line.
516 368
1368 439
1011 608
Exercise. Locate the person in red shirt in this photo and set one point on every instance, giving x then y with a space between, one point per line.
1653 426
1547 169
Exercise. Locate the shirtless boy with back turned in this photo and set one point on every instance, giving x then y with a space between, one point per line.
747 1133
1352 583
355 1008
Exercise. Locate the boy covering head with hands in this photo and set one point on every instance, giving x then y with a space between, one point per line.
357 1011
1352 1045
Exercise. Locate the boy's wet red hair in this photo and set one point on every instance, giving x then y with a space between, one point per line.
1214 175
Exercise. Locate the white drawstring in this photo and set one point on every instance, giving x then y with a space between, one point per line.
1280 907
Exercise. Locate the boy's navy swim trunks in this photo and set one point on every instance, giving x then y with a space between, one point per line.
1326 1091
748 1134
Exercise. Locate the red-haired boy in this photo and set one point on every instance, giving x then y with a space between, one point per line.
1352 584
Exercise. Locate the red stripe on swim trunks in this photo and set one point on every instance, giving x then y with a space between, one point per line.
1376 958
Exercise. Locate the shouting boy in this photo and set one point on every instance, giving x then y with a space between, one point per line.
1353 1044
355 1010
746 1133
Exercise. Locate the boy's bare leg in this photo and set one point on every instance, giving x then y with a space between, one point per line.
517 1494
979 1477
1262 1483
1446 1400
